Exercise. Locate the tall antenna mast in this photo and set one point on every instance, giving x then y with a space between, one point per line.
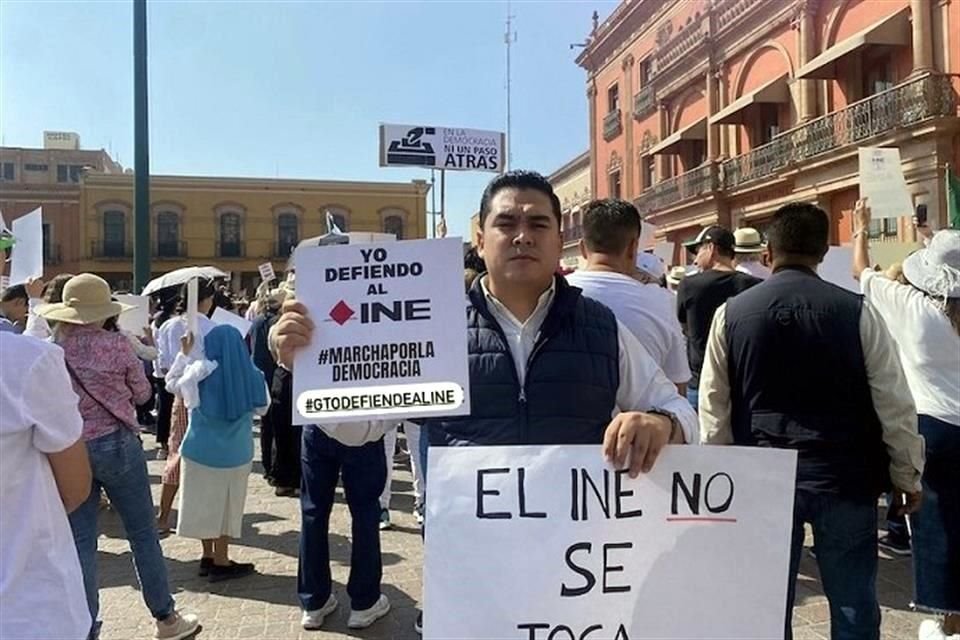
509 37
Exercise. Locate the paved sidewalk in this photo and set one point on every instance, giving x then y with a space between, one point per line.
265 605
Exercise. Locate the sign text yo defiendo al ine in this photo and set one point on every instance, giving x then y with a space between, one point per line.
391 337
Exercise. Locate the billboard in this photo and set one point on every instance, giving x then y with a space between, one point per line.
447 148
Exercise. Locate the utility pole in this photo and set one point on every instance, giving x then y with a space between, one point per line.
509 37
141 163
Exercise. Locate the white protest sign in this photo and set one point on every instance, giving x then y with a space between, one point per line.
192 300
883 184
222 316
266 272
391 333
550 542
137 318
26 259
648 233
430 147
664 251
837 267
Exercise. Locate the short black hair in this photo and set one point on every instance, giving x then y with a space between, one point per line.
16 292
609 225
519 179
799 229
472 260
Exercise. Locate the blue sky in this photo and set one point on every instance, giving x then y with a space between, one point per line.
297 89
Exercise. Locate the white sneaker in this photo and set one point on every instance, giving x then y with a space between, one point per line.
365 618
932 630
313 620
177 627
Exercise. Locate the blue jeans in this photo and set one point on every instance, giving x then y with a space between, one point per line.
845 534
364 471
936 527
120 468
693 397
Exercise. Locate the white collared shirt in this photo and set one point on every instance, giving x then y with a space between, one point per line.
755 269
643 386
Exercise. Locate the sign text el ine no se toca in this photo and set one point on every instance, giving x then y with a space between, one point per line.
390 337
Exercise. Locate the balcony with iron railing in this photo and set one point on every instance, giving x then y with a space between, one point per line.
907 104
612 125
572 233
672 191
52 255
170 250
684 42
644 102
110 250
231 250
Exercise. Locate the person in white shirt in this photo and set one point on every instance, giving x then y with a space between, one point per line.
611 236
920 304
748 251
44 474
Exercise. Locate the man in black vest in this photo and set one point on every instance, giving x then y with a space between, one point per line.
798 363
547 365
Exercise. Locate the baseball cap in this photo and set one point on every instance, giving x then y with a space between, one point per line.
720 236
650 264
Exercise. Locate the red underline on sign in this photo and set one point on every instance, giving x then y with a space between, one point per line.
698 519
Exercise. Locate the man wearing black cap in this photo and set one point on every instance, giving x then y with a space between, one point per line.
699 296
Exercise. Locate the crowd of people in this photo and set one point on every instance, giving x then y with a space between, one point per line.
748 346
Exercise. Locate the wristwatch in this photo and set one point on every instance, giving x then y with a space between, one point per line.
674 422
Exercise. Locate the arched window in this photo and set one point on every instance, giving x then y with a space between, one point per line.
231 245
288 234
114 233
341 218
168 235
394 225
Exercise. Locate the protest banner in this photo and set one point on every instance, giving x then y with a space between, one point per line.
26 258
266 272
664 251
403 145
883 184
648 233
535 543
837 267
137 318
391 334
222 316
193 293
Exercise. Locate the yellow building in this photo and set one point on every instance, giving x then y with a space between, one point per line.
235 224
571 183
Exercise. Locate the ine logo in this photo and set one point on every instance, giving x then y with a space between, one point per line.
341 313
412 150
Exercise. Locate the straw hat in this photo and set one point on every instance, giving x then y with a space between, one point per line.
747 240
936 269
86 300
676 275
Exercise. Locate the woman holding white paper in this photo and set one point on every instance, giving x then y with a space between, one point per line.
920 303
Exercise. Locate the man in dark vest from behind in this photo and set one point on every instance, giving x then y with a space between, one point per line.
547 365
799 363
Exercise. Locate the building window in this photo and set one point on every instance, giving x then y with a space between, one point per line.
648 171
63 173
47 247
35 167
168 234
69 172
615 184
394 225
230 235
644 72
766 125
878 74
694 154
613 99
8 171
114 234
288 233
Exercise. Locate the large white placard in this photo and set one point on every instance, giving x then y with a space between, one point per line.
883 184
26 258
664 251
525 542
136 319
222 316
391 333
266 272
404 145
837 267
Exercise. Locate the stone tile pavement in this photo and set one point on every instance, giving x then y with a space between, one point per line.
265 606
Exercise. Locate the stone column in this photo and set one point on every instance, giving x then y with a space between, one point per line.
713 105
663 170
723 101
922 36
592 101
626 109
943 57
807 41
